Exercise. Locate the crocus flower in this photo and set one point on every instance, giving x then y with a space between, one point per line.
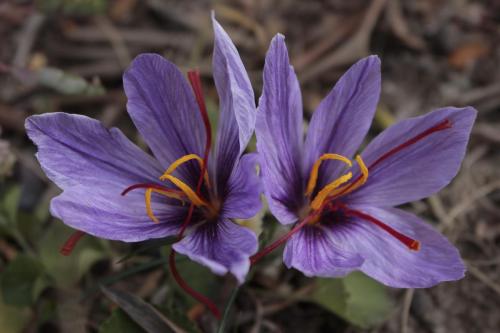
114 190
343 210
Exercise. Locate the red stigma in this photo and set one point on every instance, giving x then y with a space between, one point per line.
71 242
194 79
445 124
196 295
259 255
410 243
150 185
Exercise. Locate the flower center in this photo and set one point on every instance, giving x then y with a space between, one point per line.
334 189
183 192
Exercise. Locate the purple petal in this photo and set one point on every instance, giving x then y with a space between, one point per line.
242 199
279 134
162 106
420 169
343 118
237 104
222 246
107 214
392 263
321 251
76 150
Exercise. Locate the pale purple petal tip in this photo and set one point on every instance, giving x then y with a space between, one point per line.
237 104
279 130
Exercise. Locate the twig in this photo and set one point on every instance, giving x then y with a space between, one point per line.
400 28
405 315
488 131
335 32
483 278
465 205
437 207
27 39
355 48
116 40
477 95
144 37
241 19
259 314
173 14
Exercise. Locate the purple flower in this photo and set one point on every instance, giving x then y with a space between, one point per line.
94 165
343 209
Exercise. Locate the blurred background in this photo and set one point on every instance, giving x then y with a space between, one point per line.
69 55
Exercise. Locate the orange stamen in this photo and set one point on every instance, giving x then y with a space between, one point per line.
360 181
149 209
195 199
313 177
321 196
182 160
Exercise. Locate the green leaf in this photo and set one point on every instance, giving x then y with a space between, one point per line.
141 312
119 321
227 310
13 319
9 204
356 298
67 271
66 83
22 281
125 273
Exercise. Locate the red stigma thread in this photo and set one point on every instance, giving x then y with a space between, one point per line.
196 295
71 242
150 185
194 79
409 242
256 257
445 124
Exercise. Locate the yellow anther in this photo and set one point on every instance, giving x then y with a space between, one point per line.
359 182
149 209
181 161
313 177
195 199
172 195
321 196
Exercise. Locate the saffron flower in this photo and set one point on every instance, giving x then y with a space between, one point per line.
114 190
342 204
